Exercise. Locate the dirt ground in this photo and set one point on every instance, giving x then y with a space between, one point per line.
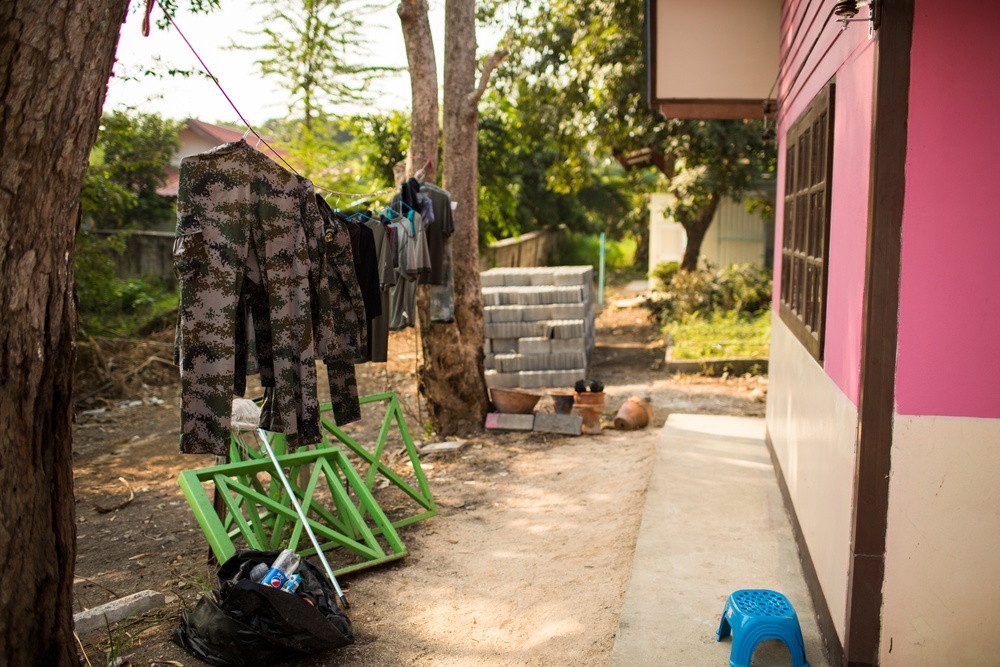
526 563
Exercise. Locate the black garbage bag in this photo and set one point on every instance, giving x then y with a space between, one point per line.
245 624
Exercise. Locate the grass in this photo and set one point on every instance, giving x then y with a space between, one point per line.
725 335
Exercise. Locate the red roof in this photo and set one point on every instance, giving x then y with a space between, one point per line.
226 135
218 135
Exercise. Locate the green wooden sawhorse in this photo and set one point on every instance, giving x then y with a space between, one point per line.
262 516
259 511
374 458
371 459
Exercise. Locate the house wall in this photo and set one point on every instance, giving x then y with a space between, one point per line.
812 405
942 580
191 143
734 237
813 426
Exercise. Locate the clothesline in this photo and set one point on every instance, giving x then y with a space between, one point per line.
250 128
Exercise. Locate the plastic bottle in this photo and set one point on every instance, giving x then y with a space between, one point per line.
283 566
292 584
258 572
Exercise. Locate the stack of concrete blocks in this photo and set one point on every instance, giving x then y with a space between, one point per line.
539 325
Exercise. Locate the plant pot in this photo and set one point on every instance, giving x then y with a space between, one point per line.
589 398
589 405
633 414
562 402
514 401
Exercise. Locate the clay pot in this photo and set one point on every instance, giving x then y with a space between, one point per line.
634 413
514 401
562 401
589 405
589 398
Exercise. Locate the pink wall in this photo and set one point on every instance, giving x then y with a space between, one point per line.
949 318
848 56
849 220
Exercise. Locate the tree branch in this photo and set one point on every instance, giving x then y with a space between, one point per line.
472 101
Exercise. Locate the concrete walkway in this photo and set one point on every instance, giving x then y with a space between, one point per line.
714 523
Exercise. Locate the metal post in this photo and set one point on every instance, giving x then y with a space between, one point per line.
302 515
600 276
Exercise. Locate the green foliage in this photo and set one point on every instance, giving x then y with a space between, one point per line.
385 141
569 98
664 273
721 334
128 163
108 304
743 288
580 249
315 49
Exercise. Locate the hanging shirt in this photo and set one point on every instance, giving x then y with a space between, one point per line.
378 328
232 202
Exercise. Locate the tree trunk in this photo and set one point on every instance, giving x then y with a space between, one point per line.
55 58
451 372
424 88
696 230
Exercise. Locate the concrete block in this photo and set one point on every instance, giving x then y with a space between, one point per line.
567 328
508 363
534 329
543 278
503 313
534 379
536 362
501 380
510 422
567 377
491 297
568 311
573 275
567 360
554 423
536 313
567 294
117 610
516 278
534 345
562 345
489 361
503 345
447 446
491 278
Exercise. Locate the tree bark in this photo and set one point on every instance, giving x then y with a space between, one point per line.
424 88
55 58
451 372
696 230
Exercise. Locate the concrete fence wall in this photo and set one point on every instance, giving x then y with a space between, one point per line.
525 251
148 254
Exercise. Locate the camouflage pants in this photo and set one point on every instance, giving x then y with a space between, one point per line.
239 218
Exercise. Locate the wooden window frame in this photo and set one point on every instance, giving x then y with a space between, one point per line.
806 224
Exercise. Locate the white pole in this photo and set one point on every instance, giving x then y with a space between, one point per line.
302 515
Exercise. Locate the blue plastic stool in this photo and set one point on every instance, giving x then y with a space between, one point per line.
754 615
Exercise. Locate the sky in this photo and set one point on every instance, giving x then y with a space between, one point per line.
257 97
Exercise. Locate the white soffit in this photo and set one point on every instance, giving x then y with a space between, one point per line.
716 49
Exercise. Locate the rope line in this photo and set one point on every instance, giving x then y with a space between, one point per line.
250 128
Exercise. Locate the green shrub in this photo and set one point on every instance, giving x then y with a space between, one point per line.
721 335
664 272
109 304
742 288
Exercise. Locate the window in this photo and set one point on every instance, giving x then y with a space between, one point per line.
806 233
